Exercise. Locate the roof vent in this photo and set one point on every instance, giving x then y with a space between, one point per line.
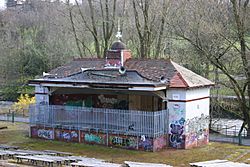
163 79
48 75
122 70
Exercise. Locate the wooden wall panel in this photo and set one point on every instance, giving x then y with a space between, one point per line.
134 102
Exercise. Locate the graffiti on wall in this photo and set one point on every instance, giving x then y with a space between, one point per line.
193 140
94 138
177 126
107 100
197 124
145 143
159 143
130 142
176 137
46 134
177 113
67 135
123 141
197 130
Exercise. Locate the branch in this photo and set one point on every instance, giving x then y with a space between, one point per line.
74 30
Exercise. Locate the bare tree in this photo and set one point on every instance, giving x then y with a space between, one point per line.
218 31
104 11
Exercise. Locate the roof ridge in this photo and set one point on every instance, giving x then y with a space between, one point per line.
187 75
182 79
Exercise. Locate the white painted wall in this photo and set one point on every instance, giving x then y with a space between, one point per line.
171 93
189 109
42 95
197 108
197 93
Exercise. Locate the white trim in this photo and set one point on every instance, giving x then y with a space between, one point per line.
86 86
122 57
148 88
61 85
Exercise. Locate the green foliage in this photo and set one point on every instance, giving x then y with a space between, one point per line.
12 90
33 60
9 92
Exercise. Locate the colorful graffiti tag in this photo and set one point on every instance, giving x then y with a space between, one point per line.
176 126
46 134
123 141
145 143
192 140
176 137
67 135
197 131
94 138
159 143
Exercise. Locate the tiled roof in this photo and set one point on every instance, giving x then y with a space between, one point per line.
175 75
190 78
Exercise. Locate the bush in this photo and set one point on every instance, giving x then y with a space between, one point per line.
22 105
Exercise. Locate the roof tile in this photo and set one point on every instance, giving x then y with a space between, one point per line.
151 69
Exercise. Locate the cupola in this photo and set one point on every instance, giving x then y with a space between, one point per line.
118 53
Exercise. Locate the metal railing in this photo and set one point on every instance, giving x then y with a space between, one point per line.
228 130
128 122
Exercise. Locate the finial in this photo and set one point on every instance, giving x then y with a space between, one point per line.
119 34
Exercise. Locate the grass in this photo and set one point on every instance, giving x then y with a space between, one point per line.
17 134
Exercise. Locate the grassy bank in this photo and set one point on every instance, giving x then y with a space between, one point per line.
17 134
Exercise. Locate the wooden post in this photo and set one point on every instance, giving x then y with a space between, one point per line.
13 117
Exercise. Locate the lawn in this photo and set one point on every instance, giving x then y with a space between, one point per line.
17 134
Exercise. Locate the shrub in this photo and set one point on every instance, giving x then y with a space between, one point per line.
22 105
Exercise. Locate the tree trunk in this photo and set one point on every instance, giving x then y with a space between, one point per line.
160 37
240 132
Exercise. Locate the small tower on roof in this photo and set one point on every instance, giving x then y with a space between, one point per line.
118 53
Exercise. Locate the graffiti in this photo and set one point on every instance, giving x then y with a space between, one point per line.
197 131
146 143
178 112
92 138
34 132
159 143
131 127
129 142
46 134
67 135
176 138
193 140
107 100
197 124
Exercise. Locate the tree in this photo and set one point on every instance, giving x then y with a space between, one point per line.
34 39
103 12
218 30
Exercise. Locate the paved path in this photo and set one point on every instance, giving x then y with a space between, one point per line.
228 139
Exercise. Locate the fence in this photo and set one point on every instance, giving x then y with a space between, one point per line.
7 113
129 122
228 130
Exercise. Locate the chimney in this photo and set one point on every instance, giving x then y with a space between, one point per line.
125 55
